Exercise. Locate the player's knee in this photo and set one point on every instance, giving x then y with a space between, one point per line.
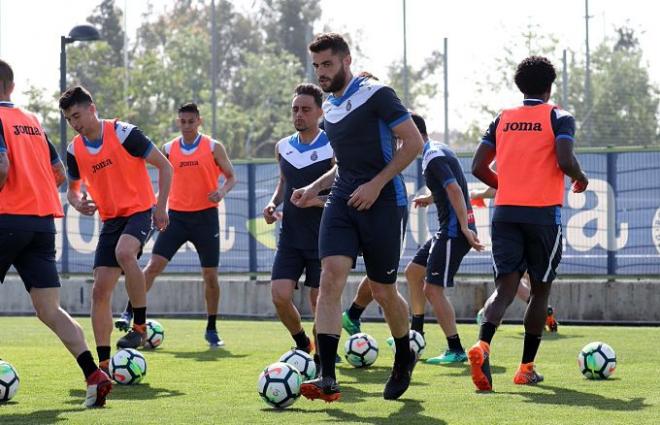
47 312
384 294
431 291
280 295
210 277
101 294
125 256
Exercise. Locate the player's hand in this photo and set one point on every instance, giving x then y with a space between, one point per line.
422 201
473 240
270 215
85 206
304 197
580 185
364 196
216 195
161 219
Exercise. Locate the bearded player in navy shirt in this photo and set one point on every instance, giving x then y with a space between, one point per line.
365 209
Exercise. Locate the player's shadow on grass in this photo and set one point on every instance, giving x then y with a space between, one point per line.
142 391
410 412
372 375
549 336
209 355
45 417
463 369
568 397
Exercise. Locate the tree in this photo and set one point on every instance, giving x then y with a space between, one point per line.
422 82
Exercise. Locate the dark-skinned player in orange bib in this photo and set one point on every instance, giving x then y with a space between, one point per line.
110 158
533 147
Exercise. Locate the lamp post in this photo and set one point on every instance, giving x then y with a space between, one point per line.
77 33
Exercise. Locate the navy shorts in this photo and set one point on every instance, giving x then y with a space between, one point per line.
33 256
421 257
520 247
377 232
290 263
201 228
445 257
137 225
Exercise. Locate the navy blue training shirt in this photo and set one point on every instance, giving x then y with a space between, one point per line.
441 167
359 125
301 164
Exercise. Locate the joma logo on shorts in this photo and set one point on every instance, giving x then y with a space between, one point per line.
523 126
188 163
26 129
98 166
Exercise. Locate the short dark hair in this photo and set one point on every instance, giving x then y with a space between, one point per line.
332 41
310 90
6 75
535 75
419 122
368 75
77 95
189 107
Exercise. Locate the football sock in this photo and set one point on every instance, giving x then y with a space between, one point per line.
530 347
454 343
86 363
103 352
328 350
402 355
129 308
487 331
140 315
210 322
301 340
418 323
355 312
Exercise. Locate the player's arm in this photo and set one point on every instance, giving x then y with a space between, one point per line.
222 160
423 200
76 197
485 155
487 193
278 194
4 168
308 196
568 162
158 160
56 163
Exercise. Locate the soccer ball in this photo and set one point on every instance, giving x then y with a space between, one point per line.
301 361
155 334
128 366
361 350
279 385
417 343
597 360
9 381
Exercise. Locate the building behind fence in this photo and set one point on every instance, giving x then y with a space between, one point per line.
611 229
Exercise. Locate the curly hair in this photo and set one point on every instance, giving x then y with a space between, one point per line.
535 75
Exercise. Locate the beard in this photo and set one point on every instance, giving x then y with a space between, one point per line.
337 82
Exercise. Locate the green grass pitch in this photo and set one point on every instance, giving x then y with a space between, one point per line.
187 383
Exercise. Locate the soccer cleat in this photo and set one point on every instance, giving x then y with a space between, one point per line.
480 316
448 357
351 326
399 379
124 321
390 341
134 338
327 389
526 375
211 336
551 323
479 356
105 366
99 386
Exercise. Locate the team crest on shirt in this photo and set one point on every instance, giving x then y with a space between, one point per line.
349 106
314 156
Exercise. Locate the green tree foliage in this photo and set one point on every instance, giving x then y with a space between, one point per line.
422 82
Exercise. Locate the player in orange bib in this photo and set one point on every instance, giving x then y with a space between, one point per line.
533 146
109 157
30 171
198 163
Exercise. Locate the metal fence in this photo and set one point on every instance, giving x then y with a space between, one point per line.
611 229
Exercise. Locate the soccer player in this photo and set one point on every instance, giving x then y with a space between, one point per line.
523 292
198 163
110 158
365 209
533 147
30 172
303 157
